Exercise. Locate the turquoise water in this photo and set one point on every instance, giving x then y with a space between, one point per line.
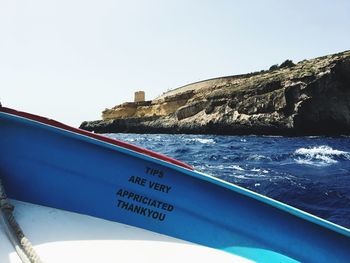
310 173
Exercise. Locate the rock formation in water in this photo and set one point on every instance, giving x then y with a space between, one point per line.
309 98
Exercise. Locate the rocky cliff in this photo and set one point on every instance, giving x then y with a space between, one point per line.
309 98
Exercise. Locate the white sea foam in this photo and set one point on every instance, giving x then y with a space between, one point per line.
239 176
220 166
258 157
319 156
259 170
236 167
200 140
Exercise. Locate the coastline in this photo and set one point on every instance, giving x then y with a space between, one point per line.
309 98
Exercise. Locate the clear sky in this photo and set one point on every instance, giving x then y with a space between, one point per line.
71 59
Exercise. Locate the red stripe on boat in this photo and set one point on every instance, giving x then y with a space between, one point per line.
94 135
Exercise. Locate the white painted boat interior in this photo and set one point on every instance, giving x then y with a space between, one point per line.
61 236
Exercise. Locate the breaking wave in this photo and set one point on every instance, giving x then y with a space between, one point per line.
320 156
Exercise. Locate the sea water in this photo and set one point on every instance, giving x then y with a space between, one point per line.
310 173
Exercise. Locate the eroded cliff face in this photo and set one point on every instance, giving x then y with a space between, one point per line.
310 98
145 109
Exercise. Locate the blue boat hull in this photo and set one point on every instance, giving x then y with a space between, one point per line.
54 167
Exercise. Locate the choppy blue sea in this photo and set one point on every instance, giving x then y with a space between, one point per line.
310 173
